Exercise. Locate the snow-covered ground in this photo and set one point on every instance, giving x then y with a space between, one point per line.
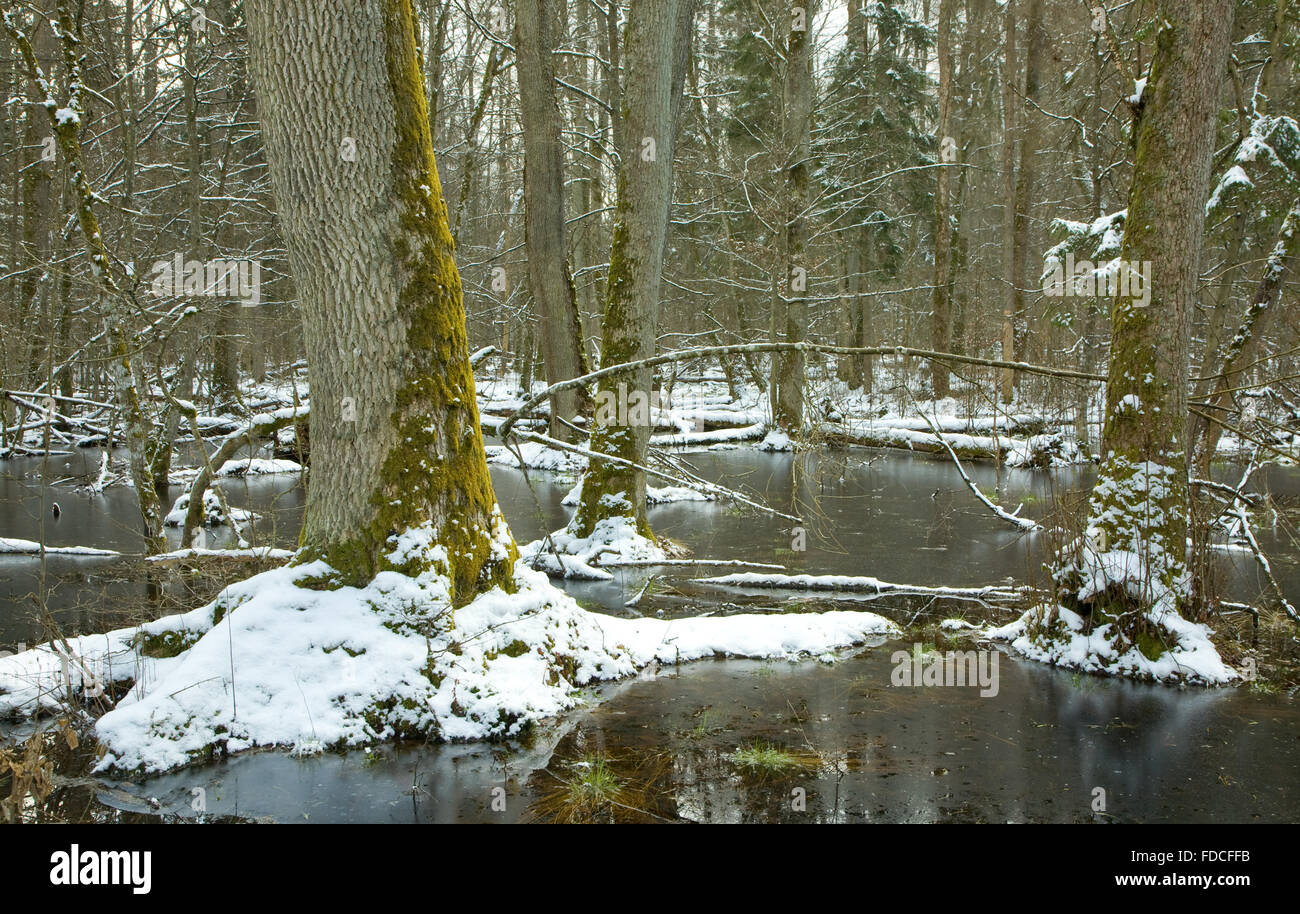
1059 636
272 663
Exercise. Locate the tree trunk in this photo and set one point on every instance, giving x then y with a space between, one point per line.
656 32
1009 105
1026 177
549 277
1139 504
940 297
788 379
1217 391
396 445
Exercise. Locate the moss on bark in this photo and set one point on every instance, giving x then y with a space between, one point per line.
435 472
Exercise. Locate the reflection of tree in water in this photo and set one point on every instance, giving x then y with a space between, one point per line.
1137 742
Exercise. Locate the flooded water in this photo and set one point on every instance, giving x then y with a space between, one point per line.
857 747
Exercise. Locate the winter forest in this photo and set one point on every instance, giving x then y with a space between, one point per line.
646 411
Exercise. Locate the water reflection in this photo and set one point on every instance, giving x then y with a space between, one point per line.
1036 752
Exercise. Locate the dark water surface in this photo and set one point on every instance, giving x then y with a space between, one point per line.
1038 751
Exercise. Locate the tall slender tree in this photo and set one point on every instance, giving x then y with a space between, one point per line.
941 295
655 52
549 276
788 378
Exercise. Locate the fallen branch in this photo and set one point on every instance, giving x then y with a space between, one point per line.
709 488
854 584
713 563
742 348
1019 522
1239 512
259 427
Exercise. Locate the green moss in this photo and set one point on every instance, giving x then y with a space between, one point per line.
1150 645
167 644
435 471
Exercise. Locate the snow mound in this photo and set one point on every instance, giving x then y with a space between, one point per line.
1058 636
537 456
12 546
614 540
257 466
253 552
212 514
272 662
776 440
653 495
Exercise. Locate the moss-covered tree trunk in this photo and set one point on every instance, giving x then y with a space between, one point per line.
396 445
654 52
1139 504
549 278
1218 390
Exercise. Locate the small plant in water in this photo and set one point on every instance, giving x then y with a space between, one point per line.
596 782
704 725
587 795
762 760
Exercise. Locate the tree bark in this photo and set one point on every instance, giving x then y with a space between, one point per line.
1217 391
940 296
1026 177
1009 106
549 277
1139 504
656 30
787 393
396 444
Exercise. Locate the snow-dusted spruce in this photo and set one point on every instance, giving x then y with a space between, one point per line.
1123 586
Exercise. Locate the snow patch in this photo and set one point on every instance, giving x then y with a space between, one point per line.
296 667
